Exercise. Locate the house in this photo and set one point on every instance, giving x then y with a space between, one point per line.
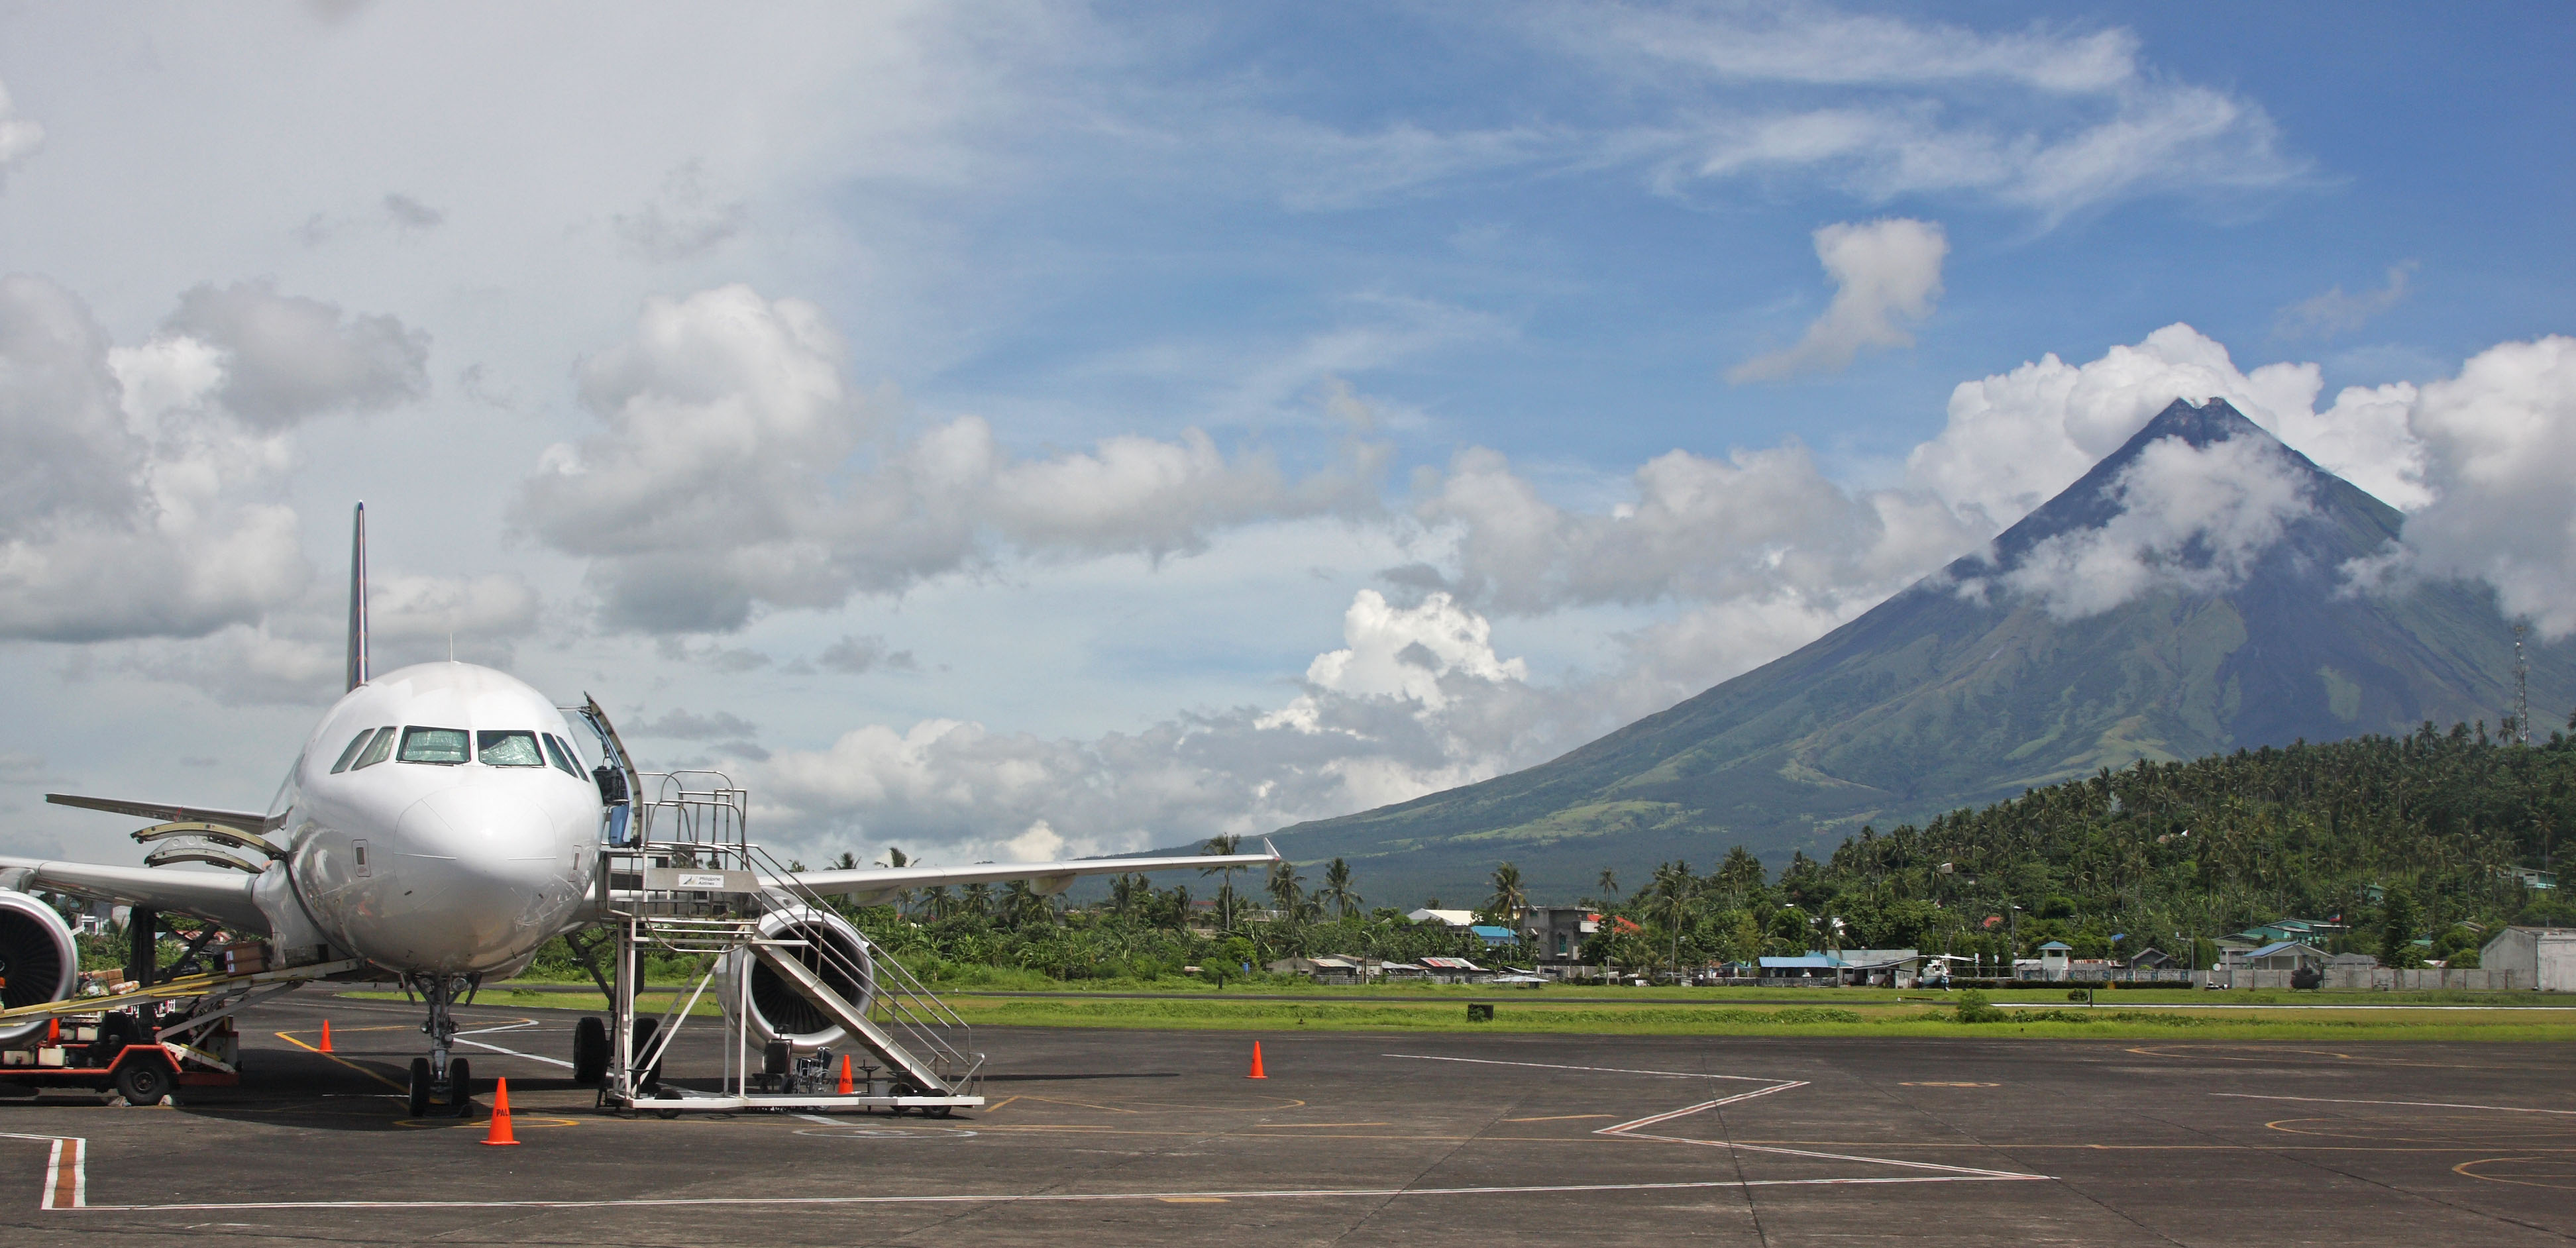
1455 971
2053 958
2545 955
1326 970
1558 933
1448 918
2280 955
1491 935
1886 968
2150 959
1406 971
1813 967
2530 878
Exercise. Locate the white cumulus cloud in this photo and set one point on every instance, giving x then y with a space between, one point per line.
1884 272
739 467
2191 518
19 136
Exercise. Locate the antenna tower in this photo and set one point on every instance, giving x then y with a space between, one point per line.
2521 688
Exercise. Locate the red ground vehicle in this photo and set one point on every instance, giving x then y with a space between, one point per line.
115 1049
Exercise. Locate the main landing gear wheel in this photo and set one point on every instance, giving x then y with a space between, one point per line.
420 1087
589 1051
460 1088
143 1082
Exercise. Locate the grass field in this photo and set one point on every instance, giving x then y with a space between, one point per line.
2039 1014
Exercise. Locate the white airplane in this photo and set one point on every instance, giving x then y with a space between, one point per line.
437 828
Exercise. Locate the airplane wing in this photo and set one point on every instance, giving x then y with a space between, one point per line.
874 885
223 897
166 812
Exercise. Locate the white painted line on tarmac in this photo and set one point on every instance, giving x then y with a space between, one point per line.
521 1025
2338 1100
1604 1070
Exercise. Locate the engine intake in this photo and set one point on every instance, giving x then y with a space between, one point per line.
836 953
38 961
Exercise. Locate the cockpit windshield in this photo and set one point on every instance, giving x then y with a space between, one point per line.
444 746
508 749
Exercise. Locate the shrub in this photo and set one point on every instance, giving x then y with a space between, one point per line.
1974 1008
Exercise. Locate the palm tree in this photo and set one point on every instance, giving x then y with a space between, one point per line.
1284 887
1669 900
1337 888
1509 898
893 858
1219 846
979 899
1609 885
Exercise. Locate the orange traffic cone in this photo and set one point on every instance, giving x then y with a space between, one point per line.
845 1088
500 1133
1256 1062
53 1031
326 1037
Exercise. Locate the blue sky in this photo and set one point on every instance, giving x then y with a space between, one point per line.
1050 428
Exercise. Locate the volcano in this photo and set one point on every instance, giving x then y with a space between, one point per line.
2236 626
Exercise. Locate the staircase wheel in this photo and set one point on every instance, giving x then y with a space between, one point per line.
590 1050
645 1030
419 1087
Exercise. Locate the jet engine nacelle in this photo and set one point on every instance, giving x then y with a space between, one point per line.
833 949
38 961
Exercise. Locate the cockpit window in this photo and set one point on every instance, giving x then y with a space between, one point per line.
562 756
350 754
434 745
508 749
377 752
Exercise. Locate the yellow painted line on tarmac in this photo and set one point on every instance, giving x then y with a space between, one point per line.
1560 1118
997 1105
289 1037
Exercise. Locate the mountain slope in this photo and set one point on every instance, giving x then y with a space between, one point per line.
1964 690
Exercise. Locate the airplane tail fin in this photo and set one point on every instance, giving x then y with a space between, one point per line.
358 601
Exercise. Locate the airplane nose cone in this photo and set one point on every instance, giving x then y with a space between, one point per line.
478 826
480 879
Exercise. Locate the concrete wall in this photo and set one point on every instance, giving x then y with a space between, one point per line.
2384 979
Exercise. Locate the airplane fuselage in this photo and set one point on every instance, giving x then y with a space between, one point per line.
439 821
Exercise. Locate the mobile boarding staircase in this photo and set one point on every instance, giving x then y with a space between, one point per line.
685 879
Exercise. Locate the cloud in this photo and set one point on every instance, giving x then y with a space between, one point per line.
129 505
683 222
2047 121
2497 440
410 214
19 136
2334 312
688 726
286 358
2014 440
738 467
2190 518
1751 525
855 655
1883 271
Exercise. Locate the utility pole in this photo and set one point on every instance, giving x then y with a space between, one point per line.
2521 688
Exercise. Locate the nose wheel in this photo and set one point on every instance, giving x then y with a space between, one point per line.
438 1081
453 1095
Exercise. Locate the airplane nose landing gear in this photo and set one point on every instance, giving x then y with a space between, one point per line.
437 1078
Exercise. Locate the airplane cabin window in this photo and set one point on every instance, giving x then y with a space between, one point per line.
562 756
350 754
378 752
509 749
444 746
